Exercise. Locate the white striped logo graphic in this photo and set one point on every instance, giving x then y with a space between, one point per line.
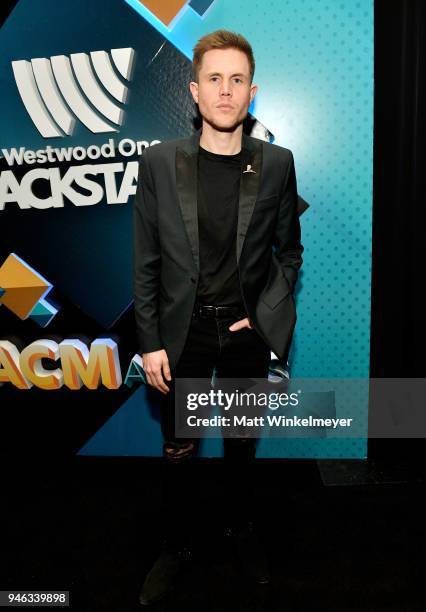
56 90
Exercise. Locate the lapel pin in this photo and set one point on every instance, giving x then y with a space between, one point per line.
248 169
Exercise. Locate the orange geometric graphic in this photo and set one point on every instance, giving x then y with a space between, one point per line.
23 286
164 10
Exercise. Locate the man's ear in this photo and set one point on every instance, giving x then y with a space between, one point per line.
193 86
253 92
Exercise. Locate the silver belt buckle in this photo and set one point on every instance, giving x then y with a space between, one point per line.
212 307
207 308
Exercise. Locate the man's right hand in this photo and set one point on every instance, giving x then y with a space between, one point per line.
156 365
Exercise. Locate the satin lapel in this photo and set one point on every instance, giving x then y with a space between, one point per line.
186 184
187 188
249 187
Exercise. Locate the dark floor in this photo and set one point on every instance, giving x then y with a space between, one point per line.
91 527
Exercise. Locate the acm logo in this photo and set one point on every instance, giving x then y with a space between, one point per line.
55 90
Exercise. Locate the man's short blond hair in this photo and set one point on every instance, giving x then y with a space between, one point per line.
221 39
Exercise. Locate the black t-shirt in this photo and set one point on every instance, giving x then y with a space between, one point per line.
218 194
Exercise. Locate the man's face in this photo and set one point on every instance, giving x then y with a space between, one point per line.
223 92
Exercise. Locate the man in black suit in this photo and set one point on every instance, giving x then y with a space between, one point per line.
216 258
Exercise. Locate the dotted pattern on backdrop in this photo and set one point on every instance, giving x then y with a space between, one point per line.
326 118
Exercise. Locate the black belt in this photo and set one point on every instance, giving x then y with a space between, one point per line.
218 312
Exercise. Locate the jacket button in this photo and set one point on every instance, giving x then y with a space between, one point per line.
193 279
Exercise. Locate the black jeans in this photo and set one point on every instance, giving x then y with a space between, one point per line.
210 346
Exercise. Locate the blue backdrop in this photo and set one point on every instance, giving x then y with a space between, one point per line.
314 70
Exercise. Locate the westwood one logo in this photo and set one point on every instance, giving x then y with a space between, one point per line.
56 90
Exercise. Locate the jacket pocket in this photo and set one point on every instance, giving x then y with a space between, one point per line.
276 293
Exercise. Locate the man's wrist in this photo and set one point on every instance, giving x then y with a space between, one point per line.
151 349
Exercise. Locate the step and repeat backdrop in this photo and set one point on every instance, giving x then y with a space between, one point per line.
86 86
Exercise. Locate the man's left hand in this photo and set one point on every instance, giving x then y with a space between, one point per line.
241 324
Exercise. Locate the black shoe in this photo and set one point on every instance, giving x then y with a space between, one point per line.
160 580
251 554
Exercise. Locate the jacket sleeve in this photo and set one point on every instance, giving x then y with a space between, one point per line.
287 246
146 260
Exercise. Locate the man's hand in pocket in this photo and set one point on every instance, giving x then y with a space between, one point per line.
241 324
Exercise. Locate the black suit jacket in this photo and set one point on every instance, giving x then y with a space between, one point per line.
166 248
